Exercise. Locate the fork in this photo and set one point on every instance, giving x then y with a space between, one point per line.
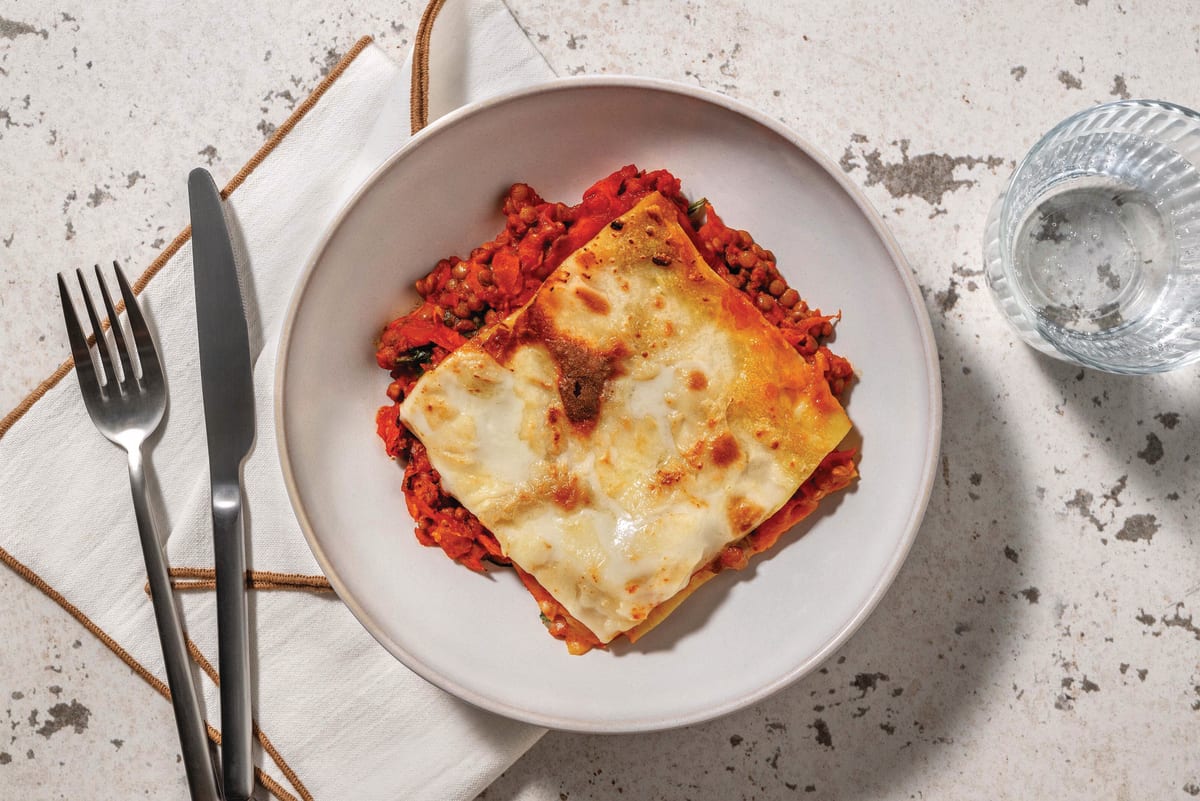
127 409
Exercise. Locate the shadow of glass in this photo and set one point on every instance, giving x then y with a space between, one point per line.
1150 426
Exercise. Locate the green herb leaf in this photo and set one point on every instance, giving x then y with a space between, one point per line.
417 355
696 211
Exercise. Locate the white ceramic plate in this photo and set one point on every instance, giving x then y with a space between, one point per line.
745 634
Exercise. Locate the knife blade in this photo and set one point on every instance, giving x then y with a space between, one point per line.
228 391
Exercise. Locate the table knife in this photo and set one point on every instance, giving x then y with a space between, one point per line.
228 391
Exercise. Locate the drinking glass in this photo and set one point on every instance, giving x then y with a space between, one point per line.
1093 249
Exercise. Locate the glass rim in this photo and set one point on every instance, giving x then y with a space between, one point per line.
1061 126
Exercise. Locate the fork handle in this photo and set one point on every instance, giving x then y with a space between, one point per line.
197 758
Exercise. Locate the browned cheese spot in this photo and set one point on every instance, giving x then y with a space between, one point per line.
743 515
593 300
500 343
582 376
568 492
694 455
553 417
583 372
665 478
586 259
725 450
697 380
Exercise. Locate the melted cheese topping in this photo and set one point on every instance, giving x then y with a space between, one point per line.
636 416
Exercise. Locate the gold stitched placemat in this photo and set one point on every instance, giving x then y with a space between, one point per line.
202 578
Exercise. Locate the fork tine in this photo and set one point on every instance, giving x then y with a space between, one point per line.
84 365
118 333
147 351
108 374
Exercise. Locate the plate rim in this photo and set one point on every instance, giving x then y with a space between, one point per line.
933 421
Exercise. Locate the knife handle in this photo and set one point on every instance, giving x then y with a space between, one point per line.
233 642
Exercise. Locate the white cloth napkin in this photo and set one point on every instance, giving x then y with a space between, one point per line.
351 722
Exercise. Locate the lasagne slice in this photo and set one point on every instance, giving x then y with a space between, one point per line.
635 417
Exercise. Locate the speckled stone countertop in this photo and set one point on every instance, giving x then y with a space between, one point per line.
1040 642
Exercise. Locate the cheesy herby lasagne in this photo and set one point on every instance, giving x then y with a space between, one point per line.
634 424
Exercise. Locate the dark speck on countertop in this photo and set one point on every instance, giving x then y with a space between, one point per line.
11 29
332 57
1082 502
98 196
947 298
928 176
1179 621
824 737
1119 88
1138 527
1153 450
1168 419
1113 495
74 715
865 682
1068 80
